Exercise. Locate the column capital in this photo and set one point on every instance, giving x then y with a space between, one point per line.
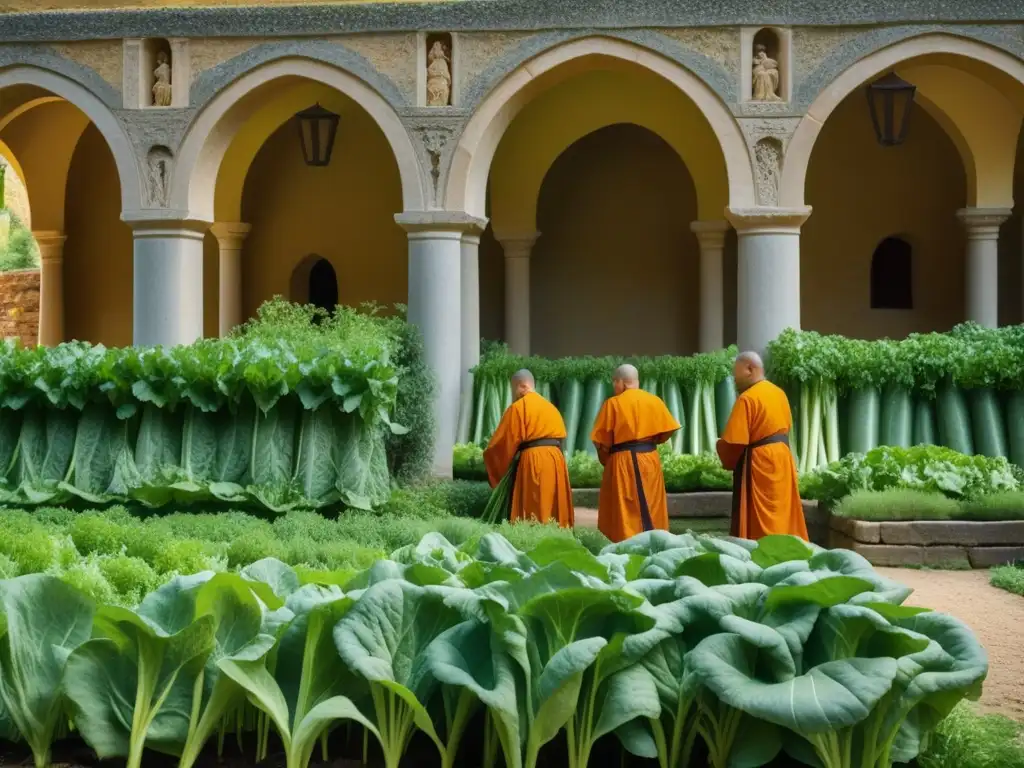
51 244
517 246
983 223
458 222
764 220
710 234
230 234
164 222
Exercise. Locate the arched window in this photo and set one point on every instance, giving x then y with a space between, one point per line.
323 285
892 275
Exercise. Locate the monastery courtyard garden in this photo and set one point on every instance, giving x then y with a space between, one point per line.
238 552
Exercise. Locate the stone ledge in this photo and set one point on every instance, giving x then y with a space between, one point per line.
986 557
857 530
900 556
956 532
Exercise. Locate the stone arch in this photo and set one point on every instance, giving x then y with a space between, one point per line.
97 111
193 184
472 157
989 70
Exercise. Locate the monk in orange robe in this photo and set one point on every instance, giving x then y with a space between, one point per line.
755 446
627 433
532 428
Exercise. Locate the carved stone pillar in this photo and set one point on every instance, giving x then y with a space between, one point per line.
517 290
435 299
711 331
168 279
469 281
768 273
981 301
230 237
51 287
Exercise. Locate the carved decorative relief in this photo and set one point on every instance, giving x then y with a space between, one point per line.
435 139
439 74
768 170
765 76
159 163
162 92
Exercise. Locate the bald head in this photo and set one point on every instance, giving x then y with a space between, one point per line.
625 377
522 383
748 370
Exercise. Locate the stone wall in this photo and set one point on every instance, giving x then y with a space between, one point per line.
19 305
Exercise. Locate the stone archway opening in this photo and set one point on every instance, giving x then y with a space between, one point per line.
272 207
948 187
63 199
607 97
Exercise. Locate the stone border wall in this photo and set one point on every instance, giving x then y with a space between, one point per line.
949 543
954 543
19 305
711 510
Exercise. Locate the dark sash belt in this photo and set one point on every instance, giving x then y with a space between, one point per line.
636 447
744 471
540 442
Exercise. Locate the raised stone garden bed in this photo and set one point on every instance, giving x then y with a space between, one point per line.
710 511
948 543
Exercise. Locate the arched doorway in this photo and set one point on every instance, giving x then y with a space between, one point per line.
322 288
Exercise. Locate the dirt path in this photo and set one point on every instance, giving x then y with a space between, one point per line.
995 615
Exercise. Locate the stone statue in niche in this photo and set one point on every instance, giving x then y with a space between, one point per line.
160 160
162 84
765 79
439 76
768 159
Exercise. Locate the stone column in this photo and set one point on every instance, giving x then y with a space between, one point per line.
168 279
469 283
517 290
435 298
230 237
768 273
981 301
711 237
51 287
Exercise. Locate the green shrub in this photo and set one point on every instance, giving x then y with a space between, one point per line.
183 556
410 454
21 252
87 576
897 504
1005 505
923 468
98 534
966 739
1008 577
256 546
130 577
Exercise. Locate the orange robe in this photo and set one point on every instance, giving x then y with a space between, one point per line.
542 491
634 415
766 497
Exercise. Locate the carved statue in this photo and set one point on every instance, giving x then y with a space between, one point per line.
162 86
768 159
160 160
765 80
439 76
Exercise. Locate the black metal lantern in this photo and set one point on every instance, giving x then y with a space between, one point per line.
889 99
318 128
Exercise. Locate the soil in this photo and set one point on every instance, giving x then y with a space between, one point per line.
996 616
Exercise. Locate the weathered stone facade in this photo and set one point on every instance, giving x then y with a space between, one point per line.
19 306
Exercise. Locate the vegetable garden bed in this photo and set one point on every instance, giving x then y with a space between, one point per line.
680 649
963 390
285 414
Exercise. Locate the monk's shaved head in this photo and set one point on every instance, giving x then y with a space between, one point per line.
625 377
523 376
750 358
626 373
523 383
748 370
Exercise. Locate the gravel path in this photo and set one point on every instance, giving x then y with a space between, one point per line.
995 615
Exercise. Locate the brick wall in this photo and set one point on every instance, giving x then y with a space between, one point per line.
19 305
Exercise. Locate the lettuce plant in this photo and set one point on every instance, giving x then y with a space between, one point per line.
44 620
